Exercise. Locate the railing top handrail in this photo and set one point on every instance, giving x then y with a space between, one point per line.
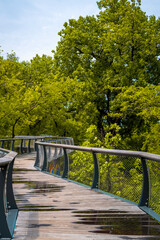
33 138
7 158
21 138
127 153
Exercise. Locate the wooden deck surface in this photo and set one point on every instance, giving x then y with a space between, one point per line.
53 208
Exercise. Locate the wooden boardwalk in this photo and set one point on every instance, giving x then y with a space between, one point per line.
53 208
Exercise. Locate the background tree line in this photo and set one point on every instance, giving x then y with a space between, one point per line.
101 87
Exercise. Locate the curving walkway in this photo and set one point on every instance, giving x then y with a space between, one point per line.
53 208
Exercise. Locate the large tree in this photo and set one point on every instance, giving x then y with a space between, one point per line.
103 56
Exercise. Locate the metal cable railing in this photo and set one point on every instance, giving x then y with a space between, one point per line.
129 175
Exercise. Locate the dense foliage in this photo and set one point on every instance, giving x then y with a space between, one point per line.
103 78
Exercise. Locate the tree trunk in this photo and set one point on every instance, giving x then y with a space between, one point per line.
13 127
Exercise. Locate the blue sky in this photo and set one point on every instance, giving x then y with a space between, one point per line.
31 27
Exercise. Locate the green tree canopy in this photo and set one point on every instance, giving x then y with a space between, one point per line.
104 76
103 56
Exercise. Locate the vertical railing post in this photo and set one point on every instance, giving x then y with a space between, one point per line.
4 230
61 151
44 167
8 147
66 164
2 144
49 154
24 145
145 195
11 203
12 146
29 145
37 156
95 183
21 146
35 144
55 153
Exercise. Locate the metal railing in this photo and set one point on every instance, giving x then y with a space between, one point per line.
20 144
46 155
26 144
8 207
131 175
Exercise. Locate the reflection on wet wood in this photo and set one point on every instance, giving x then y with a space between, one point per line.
53 208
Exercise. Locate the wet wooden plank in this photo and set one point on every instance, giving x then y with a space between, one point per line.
53 208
